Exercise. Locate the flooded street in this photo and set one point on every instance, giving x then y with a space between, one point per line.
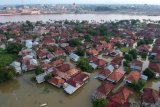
24 93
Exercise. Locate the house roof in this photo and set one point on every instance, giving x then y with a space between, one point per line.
56 80
116 75
63 67
106 72
117 60
105 88
41 53
150 95
73 71
100 62
144 47
57 62
93 52
133 76
137 63
77 79
155 67
121 95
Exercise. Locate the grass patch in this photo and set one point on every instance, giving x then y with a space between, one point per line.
126 50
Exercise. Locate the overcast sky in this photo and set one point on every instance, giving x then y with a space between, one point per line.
6 2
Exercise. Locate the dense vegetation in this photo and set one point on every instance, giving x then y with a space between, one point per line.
84 65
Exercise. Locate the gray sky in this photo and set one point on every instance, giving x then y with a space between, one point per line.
6 2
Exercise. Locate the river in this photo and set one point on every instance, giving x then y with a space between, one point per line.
89 17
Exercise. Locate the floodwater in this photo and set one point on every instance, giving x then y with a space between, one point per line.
89 17
21 92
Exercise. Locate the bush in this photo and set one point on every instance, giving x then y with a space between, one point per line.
84 65
137 86
99 103
126 63
48 77
38 70
148 72
144 55
80 51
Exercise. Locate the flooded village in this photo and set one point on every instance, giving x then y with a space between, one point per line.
80 63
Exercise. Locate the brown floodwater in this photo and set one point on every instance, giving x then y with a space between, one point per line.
21 92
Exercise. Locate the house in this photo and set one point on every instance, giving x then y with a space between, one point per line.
155 50
104 74
121 96
117 61
74 57
48 41
102 91
63 67
93 65
116 76
69 49
57 81
58 51
17 66
100 62
133 77
41 77
155 67
41 54
29 43
57 62
72 72
75 82
156 58
93 52
143 48
29 63
136 65
150 98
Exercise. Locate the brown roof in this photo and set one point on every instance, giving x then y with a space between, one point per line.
133 76
155 67
56 80
57 62
137 63
117 60
116 75
73 71
150 95
93 52
77 79
103 90
121 95
105 72
100 62
64 67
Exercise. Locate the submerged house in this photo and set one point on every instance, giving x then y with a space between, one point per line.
102 91
57 81
74 57
75 82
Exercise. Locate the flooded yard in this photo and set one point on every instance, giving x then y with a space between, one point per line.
21 92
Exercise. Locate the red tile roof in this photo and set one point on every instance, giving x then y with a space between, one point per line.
106 72
63 67
116 75
155 67
56 80
133 76
121 95
57 62
150 96
137 63
78 79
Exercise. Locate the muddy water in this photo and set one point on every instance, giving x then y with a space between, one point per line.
24 93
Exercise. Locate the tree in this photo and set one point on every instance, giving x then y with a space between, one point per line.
126 63
99 103
7 73
14 48
74 42
148 72
128 57
80 51
84 65
87 37
144 55
38 70
137 86
134 53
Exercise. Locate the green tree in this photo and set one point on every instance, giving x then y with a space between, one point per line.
74 42
128 57
38 70
14 48
87 37
144 55
7 73
137 86
134 53
148 72
84 65
80 51
99 103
